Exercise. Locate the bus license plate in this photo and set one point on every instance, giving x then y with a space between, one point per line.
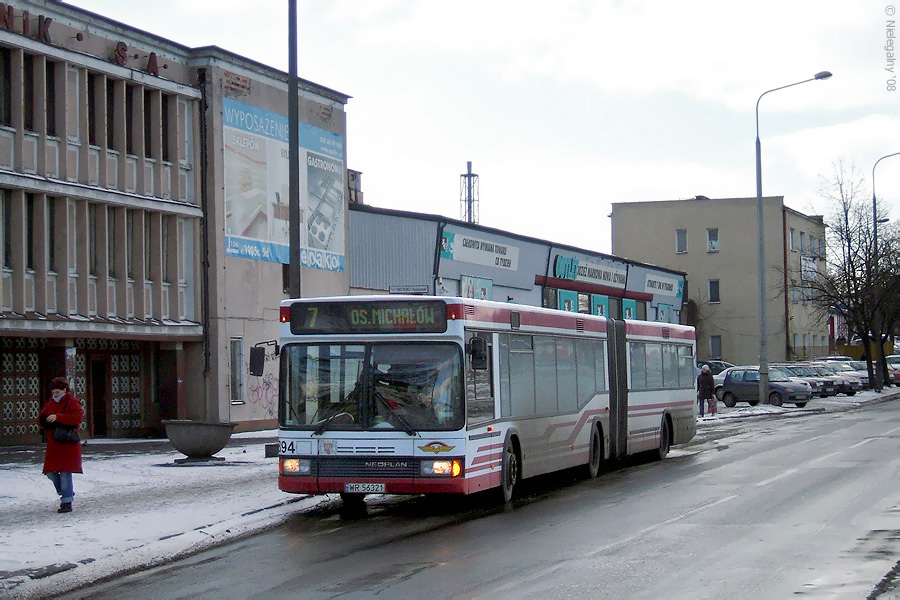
364 488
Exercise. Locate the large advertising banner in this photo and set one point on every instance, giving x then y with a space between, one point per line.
257 217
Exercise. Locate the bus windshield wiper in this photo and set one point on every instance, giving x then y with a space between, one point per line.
337 412
403 422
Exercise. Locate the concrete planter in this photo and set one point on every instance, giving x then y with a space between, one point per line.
197 440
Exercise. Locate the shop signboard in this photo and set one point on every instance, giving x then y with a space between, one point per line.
577 269
488 253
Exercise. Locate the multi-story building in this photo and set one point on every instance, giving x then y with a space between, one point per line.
715 242
143 220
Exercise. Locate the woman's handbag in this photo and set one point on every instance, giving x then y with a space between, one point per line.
66 434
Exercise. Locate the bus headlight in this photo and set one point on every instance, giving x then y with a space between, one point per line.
441 468
296 466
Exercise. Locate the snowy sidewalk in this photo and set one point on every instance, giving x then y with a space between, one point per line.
135 508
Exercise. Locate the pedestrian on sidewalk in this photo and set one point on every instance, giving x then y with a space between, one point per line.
62 459
706 390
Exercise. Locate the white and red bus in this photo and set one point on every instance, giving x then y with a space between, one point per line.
422 395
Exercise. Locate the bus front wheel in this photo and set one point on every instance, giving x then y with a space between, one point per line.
510 470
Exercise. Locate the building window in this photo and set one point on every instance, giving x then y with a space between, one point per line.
5 86
148 245
793 239
148 123
714 291
92 108
165 127
715 347
165 248
111 240
30 238
92 238
584 303
712 240
111 114
821 248
813 248
795 294
237 370
50 89
129 119
129 243
804 295
50 234
550 298
7 228
680 241
28 92
802 242
805 342
796 348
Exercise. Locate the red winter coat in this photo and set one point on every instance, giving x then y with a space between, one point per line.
61 456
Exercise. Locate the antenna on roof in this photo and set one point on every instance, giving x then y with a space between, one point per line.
468 195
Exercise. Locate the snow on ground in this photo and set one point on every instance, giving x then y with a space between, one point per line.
135 508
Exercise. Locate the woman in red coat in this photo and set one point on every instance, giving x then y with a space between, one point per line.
62 459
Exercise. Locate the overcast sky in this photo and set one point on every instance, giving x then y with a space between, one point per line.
564 107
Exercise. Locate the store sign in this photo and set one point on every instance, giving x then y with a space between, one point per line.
569 267
462 248
8 21
663 286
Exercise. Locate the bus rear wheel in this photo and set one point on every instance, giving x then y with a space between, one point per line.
596 453
509 475
665 439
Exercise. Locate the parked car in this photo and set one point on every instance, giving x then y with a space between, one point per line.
893 361
827 386
715 366
846 384
742 385
837 357
858 369
893 369
719 380
820 386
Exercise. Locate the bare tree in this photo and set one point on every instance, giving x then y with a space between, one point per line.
853 285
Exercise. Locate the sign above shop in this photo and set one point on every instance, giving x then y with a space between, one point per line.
462 248
570 267
663 286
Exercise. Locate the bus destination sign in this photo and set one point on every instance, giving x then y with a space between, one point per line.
360 316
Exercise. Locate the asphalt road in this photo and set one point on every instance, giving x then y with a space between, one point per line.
804 507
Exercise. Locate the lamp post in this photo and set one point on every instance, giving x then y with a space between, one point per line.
763 357
877 352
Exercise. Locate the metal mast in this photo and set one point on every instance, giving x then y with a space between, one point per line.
468 195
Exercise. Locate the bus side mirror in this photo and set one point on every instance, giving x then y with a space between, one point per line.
257 360
478 353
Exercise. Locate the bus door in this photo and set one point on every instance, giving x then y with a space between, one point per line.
618 388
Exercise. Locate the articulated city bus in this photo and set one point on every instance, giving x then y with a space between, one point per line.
426 395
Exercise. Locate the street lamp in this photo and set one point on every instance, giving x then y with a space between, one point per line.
875 221
763 358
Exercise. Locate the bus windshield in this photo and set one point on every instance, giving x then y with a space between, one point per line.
372 386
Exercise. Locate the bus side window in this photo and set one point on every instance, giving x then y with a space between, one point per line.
479 385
